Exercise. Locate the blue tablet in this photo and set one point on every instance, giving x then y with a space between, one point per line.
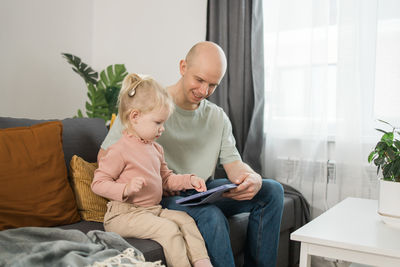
208 196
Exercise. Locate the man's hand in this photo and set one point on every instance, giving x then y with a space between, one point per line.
198 183
134 186
248 186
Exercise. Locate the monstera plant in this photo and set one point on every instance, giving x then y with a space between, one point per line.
103 90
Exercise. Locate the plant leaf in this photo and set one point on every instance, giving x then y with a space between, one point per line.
386 123
381 146
396 168
388 138
380 130
379 161
112 99
371 156
110 73
86 72
111 82
386 170
397 144
80 115
391 154
97 108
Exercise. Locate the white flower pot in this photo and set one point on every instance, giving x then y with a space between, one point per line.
389 202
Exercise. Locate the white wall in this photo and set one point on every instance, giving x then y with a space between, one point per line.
147 36
36 82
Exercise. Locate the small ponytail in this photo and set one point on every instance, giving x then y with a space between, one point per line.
130 83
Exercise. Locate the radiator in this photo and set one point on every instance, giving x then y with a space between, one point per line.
319 182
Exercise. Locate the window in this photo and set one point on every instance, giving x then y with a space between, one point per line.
332 67
303 43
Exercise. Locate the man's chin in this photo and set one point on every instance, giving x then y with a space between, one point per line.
196 100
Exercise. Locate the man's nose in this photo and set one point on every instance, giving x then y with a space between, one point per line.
204 89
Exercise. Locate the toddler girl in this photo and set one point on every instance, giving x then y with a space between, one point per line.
133 174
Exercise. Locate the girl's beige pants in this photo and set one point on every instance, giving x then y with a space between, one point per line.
174 230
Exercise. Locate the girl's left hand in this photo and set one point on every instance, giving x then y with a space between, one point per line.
198 183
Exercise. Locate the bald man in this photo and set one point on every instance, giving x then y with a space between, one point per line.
197 137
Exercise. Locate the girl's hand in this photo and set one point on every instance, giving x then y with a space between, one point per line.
134 186
198 183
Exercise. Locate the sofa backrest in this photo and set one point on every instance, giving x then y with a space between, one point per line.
81 136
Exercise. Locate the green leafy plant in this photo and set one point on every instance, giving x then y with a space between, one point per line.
103 90
386 155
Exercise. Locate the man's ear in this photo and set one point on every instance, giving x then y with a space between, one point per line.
182 66
134 115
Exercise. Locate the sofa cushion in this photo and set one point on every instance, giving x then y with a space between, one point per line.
34 189
91 207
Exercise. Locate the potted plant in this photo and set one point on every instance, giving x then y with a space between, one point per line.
386 156
102 92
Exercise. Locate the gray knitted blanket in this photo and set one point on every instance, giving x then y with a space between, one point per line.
45 246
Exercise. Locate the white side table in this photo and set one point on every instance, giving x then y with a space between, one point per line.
351 231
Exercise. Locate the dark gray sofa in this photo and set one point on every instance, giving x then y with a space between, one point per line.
83 136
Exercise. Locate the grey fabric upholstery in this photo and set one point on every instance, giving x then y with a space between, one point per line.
82 136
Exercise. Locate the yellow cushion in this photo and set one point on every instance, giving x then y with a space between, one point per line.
34 187
91 207
113 117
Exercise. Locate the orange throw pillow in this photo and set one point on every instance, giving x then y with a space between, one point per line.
34 188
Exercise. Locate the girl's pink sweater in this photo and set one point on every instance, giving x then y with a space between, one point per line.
130 158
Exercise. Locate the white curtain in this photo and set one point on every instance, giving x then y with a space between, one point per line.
328 66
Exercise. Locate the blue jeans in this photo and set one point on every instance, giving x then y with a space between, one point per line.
265 209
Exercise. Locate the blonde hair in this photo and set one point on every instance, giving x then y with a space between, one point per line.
143 94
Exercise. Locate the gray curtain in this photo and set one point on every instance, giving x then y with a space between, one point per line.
237 26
